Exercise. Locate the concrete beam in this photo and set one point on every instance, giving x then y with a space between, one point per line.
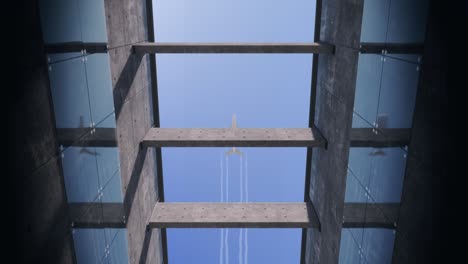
97 215
366 215
112 215
151 47
76 46
82 137
387 137
228 137
394 48
234 215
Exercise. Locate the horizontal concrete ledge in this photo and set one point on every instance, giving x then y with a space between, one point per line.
97 215
370 215
169 215
151 48
229 137
86 137
391 48
233 215
76 46
380 138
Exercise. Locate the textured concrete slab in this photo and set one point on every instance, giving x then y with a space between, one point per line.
228 137
148 47
239 215
336 81
126 25
86 137
97 215
370 215
380 138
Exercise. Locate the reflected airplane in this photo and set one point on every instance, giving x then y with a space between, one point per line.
234 150
84 149
381 123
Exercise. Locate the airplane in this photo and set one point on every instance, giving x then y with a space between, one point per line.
234 150
382 121
84 149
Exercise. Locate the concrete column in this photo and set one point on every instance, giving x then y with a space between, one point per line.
126 26
340 26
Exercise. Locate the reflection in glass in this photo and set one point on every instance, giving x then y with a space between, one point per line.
407 21
367 89
71 21
398 93
89 245
377 245
374 21
70 94
60 21
394 21
377 171
80 174
100 86
350 247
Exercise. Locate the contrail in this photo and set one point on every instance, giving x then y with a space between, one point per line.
227 200
241 187
246 241
221 249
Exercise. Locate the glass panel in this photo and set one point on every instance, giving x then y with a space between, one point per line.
89 245
68 21
350 247
377 245
99 86
397 94
359 122
394 21
356 192
70 94
57 57
380 171
355 189
232 245
366 98
414 58
108 166
112 192
387 173
60 21
375 20
360 162
118 251
80 174
242 21
92 20
407 21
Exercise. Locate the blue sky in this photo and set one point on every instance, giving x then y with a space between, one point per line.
205 90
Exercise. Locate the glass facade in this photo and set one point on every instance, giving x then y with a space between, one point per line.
385 98
83 103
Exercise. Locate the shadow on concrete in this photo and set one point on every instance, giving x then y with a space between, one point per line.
124 83
145 246
134 180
